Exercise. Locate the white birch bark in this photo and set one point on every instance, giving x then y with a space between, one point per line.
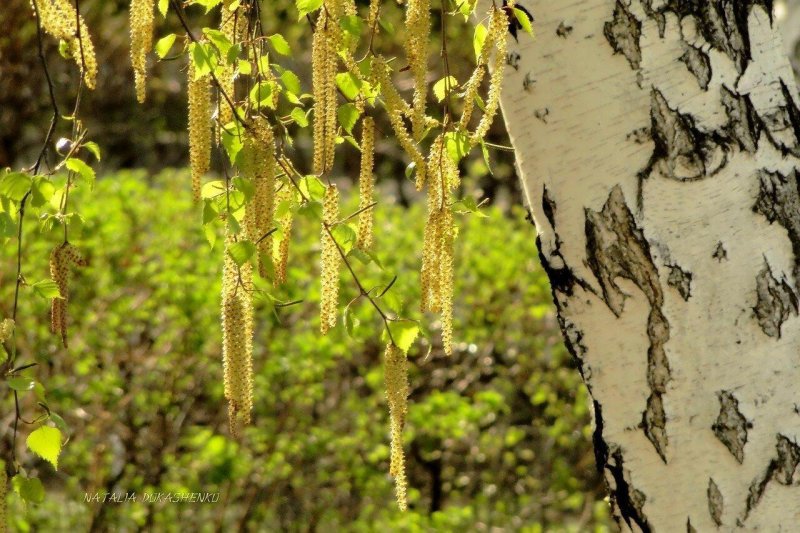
659 145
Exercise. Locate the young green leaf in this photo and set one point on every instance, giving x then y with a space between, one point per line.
478 39
47 289
523 20
443 86
280 45
163 5
164 45
30 489
304 7
21 383
348 116
241 251
404 333
46 443
15 185
80 167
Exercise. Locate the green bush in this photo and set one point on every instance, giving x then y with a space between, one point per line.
497 434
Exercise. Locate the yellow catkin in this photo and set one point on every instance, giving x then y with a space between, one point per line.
366 184
396 107
62 258
331 261
397 388
281 248
141 21
323 74
232 24
59 19
6 329
199 96
259 167
446 263
418 27
237 339
498 34
3 497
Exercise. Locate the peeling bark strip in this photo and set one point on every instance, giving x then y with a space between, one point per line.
699 64
776 302
731 426
623 34
616 248
779 201
784 469
715 502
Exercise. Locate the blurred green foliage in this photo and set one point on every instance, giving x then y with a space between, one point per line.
497 434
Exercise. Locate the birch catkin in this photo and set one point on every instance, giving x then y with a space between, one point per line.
418 28
3 497
366 184
141 22
259 167
331 261
498 35
281 248
199 96
237 339
323 74
59 19
6 329
62 258
397 388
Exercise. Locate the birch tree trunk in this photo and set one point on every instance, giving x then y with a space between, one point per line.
659 146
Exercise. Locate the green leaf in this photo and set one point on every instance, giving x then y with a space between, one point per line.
94 148
30 489
15 185
441 87
350 322
353 25
307 6
245 67
478 39
231 136
348 116
212 189
280 45
208 4
348 84
21 383
59 422
46 288
164 45
345 237
246 186
210 213
163 5
291 82
241 251
205 60
41 191
311 210
523 20
261 94
466 7
46 443
219 39
80 167
404 333
468 205
312 187
457 145
299 116
486 159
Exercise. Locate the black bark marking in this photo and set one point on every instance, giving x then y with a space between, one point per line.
779 200
715 502
681 150
513 59
616 248
563 30
689 527
681 281
542 114
776 302
744 126
623 33
731 426
723 23
639 135
627 502
792 111
720 253
783 469
699 64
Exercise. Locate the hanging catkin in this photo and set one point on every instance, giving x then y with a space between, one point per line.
141 21
259 167
418 28
59 19
199 96
231 23
281 248
62 258
3 497
323 74
6 329
498 35
397 388
237 338
331 261
396 107
366 184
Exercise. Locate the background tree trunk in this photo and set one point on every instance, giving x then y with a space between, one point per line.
659 144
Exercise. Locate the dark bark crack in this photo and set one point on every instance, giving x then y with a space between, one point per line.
783 469
731 426
623 33
720 253
744 125
681 150
616 248
715 502
681 281
779 201
627 503
699 64
776 302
